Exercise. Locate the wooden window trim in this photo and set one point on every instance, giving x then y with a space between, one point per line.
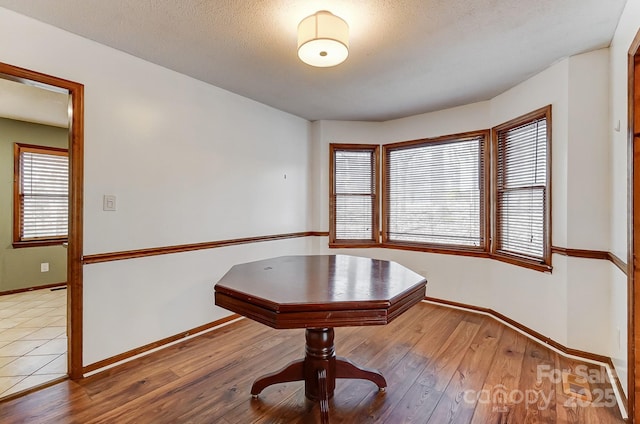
480 251
17 241
39 243
342 243
523 262
545 264
444 250
490 209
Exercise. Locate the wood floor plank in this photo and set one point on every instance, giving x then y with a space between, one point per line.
538 401
207 399
494 404
235 341
100 387
36 408
573 410
110 391
376 407
422 398
295 407
459 400
208 391
349 393
429 357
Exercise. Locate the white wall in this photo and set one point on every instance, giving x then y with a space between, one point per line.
460 119
323 134
548 87
139 301
188 163
589 176
618 336
577 293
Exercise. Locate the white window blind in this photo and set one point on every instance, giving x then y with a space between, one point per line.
521 189
43 194
354 194
435 192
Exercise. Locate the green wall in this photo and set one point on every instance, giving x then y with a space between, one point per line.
20 268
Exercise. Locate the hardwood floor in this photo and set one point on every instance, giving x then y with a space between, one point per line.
442 365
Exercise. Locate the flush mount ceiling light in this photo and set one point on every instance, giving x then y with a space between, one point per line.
323 39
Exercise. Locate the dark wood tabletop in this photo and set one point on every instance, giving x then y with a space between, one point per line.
320 291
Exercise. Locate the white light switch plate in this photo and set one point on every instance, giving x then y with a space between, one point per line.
108 202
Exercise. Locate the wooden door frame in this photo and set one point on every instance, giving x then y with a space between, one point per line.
633 274
76 168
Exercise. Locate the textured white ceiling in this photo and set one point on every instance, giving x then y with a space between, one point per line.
26 102
406 56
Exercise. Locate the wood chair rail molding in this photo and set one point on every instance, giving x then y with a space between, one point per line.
165 250
591 254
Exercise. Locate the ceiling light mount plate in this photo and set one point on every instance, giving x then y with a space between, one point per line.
323 39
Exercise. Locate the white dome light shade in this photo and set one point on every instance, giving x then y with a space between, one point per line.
323 40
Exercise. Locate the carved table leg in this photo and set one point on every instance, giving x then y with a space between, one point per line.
292 372
319 370
347 369
324 396
320 355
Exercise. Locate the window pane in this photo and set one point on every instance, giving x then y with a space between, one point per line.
353 217
521 224
521 190
354 193
44 194
44 217
435 193
523 156
354 172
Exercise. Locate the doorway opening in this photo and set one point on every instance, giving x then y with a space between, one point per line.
71 286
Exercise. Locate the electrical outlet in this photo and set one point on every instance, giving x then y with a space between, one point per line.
44 267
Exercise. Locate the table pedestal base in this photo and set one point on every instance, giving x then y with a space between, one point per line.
319 370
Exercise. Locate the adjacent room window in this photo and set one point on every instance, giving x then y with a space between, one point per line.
435 192
522 201
353 194
41 195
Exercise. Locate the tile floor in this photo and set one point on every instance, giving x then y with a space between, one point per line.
33 339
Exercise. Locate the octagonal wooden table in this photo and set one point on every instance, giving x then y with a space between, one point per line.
319 293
